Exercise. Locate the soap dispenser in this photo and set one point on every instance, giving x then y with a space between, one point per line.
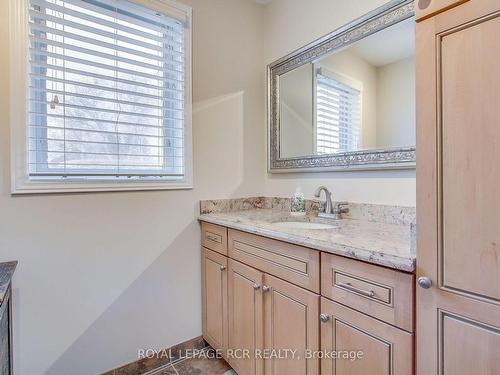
298 204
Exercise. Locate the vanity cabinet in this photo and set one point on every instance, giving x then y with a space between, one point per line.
249 305
385 350
267 297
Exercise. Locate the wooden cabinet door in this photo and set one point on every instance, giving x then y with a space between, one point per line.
291 325
387 350
458 191
245 317
428 8
214 299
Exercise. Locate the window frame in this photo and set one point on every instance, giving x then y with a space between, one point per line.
19 50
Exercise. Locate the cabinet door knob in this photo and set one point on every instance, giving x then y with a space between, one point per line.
265 288
424 282
423 4
256 286
324 318
222 268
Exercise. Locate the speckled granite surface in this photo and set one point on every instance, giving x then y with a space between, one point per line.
358 211
240 204
386 241
6 271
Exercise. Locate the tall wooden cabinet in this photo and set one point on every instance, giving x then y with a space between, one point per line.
458 190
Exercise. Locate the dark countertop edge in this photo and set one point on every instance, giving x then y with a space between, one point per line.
389 261
6 272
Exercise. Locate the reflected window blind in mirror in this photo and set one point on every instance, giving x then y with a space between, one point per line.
337 115
106 91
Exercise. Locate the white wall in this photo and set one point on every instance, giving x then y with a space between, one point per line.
103 274
290 24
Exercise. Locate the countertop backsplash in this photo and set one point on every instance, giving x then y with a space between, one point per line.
357 211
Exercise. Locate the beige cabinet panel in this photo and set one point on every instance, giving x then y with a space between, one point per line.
468 346
470 61
387 350
291 321
245 317
215 299
378 351
458 190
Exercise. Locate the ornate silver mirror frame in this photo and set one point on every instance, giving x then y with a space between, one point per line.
394 158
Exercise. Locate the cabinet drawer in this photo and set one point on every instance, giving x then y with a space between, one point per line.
377 291
214 237
293 263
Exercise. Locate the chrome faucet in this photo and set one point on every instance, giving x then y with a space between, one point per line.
328 196
331 211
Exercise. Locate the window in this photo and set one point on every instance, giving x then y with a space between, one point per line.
337 114
108 98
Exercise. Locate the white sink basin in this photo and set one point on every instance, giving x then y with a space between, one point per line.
303 225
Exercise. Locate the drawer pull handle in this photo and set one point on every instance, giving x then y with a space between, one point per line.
222 268
266 288
256 286
212 237
348 286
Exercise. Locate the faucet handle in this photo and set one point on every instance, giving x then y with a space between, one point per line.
341 207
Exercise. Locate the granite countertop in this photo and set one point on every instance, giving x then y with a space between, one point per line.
387 244
6 271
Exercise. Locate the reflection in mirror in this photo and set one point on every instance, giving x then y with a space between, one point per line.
359 98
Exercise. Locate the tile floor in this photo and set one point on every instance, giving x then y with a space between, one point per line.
201 365
193 357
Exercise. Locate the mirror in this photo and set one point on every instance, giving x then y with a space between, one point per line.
347 101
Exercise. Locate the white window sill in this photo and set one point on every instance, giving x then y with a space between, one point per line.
102 186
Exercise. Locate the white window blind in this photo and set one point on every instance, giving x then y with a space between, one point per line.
106 91
337 116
